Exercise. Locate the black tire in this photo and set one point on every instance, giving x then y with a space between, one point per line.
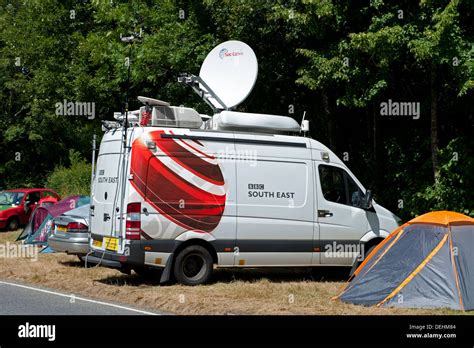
148 273
13 224
193 265
357 263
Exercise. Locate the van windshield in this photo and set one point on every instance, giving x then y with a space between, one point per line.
11 198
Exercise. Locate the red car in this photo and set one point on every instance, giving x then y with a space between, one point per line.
17 205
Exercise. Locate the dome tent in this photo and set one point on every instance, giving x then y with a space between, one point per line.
39 225
425 263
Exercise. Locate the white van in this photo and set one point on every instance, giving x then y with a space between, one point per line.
195 198
182 192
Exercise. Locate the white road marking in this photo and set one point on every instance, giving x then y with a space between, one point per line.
78 298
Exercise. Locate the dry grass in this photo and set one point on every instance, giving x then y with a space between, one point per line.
233 292
8 236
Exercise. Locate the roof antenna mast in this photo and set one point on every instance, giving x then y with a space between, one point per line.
129 40
304 124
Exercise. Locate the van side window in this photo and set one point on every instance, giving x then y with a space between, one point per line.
337 186
332 184
355 193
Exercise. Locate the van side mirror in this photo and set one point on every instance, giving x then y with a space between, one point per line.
356 199
367 201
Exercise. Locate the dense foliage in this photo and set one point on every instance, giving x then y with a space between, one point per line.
337 60
72 180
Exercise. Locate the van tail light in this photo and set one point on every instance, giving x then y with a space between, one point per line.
78 226
133 223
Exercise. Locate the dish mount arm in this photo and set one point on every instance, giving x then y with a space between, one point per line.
203 90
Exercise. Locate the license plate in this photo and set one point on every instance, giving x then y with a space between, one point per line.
111 243
97 243
61 229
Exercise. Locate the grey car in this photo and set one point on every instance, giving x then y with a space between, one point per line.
70 232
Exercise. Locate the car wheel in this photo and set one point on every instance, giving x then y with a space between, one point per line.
193 265
13 224
148 273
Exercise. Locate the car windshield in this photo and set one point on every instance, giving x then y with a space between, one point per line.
11 198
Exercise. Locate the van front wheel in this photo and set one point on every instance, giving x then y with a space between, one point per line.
357 263
193 265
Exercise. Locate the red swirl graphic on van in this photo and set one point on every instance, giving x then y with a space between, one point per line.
180 179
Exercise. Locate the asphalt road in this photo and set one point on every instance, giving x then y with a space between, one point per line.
19 299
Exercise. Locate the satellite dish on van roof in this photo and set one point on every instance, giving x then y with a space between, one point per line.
230 70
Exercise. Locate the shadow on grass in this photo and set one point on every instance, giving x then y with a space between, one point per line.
274 275
76 264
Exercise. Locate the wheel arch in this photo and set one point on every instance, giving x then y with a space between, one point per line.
372 242
371 238
196 241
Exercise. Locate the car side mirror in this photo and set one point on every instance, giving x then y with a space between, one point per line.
26 205
367 201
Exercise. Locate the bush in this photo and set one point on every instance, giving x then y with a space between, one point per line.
74 180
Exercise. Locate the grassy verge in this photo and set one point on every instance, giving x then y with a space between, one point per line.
232 292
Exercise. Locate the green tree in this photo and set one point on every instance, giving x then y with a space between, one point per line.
335 59
401 52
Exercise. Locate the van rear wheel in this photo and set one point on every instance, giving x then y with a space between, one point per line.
193 265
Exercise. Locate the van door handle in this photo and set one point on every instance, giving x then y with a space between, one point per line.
324 213
106 217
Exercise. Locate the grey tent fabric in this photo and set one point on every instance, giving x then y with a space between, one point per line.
415 244
426 263
380 252
433 287
463 243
